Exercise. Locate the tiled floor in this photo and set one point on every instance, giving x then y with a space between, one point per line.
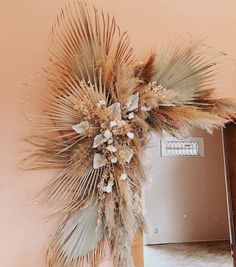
204 254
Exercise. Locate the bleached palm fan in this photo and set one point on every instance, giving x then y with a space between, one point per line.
99 106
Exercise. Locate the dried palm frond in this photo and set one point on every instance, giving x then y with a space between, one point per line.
98 107
88 46
188 69
78 241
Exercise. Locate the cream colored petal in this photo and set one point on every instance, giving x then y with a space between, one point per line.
98 140
121 123
101 103
98 161
130 135
132 102
110 141
144 108
81 127
131 115
101 138
111 148
107 134
115 109
114 160
108 187
113 124
123 176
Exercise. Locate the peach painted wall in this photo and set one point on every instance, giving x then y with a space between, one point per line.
25 25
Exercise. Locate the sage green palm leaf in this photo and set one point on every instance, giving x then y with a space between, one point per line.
79 241
187 70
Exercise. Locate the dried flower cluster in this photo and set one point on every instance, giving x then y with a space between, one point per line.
114 127
99 106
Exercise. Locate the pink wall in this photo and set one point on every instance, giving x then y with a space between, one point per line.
25 25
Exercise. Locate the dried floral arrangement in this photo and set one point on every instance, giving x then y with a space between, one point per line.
99 106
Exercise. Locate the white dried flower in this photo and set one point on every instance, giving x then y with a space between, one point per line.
110 141
81 127
108 187
131 116
123 176
113 124
111 148
113 159
101 103
102 138
98 161
121 123
130 135
107 134
144 108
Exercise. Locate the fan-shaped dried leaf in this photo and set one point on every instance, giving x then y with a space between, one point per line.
79 241
187 69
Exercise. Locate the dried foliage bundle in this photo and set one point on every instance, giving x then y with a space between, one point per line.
99 106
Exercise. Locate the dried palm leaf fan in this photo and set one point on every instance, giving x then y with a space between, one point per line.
99 106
